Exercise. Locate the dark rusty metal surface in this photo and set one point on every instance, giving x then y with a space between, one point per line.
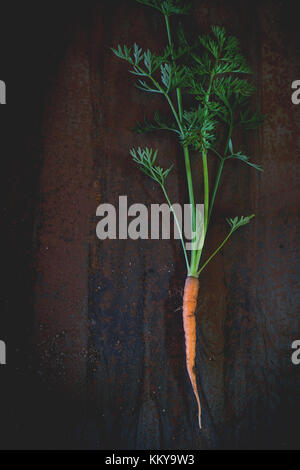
104 351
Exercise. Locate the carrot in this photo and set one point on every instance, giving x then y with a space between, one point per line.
197 129
189 324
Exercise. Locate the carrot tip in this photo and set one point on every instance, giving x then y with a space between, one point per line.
200 424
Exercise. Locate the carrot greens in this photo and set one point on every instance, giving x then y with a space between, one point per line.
213 74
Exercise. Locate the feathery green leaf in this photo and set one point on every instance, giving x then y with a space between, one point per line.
238 222
245 159
146 159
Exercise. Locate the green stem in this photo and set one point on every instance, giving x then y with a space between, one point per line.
169 36
178 91
206 189
215 252
189 177
174 112
221 165
185 148
229 133
205 174
206 205
191 197
179 101
163 92
220 169
178 227
204 160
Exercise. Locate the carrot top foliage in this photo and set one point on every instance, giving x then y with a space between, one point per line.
215 75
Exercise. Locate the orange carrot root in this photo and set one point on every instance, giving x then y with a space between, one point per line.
190 295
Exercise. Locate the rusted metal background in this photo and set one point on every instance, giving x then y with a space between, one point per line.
94 329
